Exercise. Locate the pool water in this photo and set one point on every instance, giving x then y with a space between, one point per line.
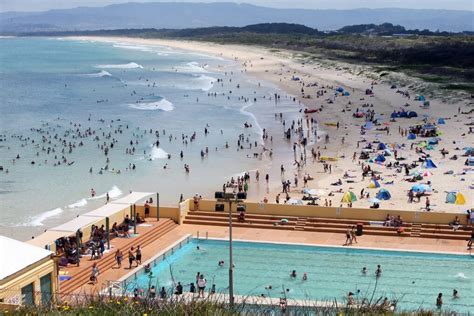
412 278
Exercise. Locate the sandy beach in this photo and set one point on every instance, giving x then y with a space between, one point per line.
337 119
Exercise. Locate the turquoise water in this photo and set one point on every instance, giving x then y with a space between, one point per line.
52 87
414 279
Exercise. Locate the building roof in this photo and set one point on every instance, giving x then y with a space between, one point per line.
107 210
17 255
47 238
77 223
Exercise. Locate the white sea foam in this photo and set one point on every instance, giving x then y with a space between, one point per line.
256 124
461 275
99 74
80 203
205 83
114 192
192 66
157 153
121 66
38 220
163 105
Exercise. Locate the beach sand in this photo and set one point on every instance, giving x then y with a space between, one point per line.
278 67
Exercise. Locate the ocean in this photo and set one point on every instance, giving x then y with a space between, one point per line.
78 115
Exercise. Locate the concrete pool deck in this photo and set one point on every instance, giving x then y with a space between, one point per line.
297 237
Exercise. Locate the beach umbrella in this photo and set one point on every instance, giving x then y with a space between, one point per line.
349 197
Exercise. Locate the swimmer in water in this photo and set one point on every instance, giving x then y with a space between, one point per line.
455 294
293 274
305 276
378 272
364 270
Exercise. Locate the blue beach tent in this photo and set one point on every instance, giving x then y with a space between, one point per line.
412 114
441 121
411 136
381 146
429 164
383 195
380 158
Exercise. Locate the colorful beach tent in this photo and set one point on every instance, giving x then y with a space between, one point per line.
380 158
412 114
421 188
383 195
411 136
349 197
441 121
429 164
374 184
340 89
381 146
455 198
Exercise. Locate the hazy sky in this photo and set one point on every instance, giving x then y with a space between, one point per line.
42 5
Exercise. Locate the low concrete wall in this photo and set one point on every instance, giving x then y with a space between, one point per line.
337 212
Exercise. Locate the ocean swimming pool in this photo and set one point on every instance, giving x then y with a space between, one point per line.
412 278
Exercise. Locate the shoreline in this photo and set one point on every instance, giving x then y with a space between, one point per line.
277 68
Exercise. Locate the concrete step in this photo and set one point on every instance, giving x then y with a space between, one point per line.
108 260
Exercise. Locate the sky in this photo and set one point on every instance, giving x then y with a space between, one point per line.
43 5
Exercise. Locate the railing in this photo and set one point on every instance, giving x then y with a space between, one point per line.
120 287
198 236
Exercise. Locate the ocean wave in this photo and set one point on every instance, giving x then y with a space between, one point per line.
80 203
38 220
140 48
157 153
256 124
163 105
204 82
114 192
99 74
121 66
193 66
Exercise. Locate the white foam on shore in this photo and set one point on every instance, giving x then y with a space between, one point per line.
114 192
99 74
38 220
163 105
131 65
256 124
80 203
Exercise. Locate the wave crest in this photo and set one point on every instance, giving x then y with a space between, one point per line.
131 65
163 105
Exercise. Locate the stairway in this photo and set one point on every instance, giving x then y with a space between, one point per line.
82 276
415 230
301 223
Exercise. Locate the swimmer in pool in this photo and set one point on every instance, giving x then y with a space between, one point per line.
378 272
455 294
364 271
305 276
293 274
